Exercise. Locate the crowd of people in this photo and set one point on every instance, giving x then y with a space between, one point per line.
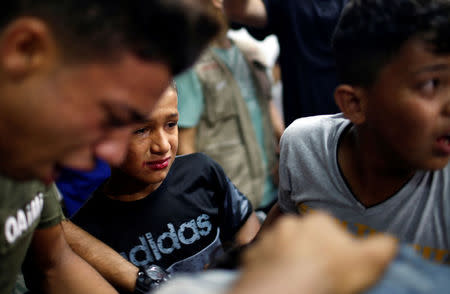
134 90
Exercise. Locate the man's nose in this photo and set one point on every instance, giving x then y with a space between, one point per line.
82 159
113 147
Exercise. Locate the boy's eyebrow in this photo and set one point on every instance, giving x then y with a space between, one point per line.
173 115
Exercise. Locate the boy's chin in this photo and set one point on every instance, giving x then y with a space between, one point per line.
155 179
436 164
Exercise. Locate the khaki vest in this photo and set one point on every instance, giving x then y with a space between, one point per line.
225 131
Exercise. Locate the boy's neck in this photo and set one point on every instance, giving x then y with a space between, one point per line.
371 177
222 42
127 189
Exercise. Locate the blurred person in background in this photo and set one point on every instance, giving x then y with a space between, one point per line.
226 112
304 30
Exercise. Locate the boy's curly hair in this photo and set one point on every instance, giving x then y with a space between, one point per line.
370 33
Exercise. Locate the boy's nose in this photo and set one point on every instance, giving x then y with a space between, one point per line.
446 110
113 147
160 143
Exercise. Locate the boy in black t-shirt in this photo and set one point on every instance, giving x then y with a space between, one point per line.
156 208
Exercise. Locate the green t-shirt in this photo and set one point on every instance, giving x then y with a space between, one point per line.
24 207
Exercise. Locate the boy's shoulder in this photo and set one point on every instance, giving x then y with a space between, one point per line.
200 159
195 165
314 127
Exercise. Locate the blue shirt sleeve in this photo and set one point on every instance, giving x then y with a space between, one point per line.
190 99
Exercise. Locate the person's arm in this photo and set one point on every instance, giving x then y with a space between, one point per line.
308 255
110 264
276 120
248 231
190 108
186 140
274 213
53 267
248 12
278 127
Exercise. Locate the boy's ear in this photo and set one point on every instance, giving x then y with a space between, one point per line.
25 46
350 101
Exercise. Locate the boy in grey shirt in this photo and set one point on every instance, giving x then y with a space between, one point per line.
382 165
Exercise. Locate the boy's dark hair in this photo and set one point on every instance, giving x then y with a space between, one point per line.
171 31
370 33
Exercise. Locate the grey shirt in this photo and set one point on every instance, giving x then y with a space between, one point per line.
310 179
209 282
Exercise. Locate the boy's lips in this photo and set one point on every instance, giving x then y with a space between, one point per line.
443 144
158 164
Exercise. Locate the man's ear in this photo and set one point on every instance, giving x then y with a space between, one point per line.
26 45
351 102
217 4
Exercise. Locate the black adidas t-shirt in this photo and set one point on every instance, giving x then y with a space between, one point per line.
180 226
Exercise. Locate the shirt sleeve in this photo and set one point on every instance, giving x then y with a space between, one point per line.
52 212
190 99
237 209
285 202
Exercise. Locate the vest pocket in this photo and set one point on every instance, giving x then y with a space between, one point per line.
232 156
219 110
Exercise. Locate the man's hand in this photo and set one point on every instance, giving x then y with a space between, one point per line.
313 255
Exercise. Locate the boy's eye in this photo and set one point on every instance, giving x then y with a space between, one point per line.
430 86
172 124
140 131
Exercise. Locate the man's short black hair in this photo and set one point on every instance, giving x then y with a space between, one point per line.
171 31
370 33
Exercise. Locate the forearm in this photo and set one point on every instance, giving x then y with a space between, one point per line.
274 213
248 231
74 275
111 265
307 255
286 280
187 139
52 267
277 121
